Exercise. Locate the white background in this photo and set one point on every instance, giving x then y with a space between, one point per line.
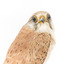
15 13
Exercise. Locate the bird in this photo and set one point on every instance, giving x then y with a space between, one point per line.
34 41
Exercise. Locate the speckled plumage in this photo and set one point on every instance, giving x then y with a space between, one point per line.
29 47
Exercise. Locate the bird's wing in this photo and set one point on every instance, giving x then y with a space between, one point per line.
29 47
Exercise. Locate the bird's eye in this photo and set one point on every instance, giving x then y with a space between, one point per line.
34 18
48 17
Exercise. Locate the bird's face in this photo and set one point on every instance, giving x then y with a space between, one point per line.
40 19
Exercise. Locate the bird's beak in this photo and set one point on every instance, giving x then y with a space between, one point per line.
42 21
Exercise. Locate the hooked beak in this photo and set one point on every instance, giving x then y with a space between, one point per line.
42 21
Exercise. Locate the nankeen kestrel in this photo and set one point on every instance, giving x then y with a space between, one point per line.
34 41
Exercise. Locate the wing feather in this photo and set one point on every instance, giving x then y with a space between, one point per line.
29 47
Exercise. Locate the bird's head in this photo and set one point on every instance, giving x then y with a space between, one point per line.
41 21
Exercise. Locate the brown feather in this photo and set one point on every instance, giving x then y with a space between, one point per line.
29 47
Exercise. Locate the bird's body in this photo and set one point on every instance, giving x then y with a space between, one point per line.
31 46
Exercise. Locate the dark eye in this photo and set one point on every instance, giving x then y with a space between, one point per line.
48 17
34 18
